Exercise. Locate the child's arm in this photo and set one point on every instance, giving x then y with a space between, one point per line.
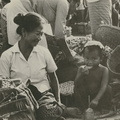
82 71
78 76
103 88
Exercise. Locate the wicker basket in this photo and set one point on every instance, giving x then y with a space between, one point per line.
108 35
113 62
16 108
12 107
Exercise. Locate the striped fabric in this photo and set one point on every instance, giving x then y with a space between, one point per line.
99 11
26 92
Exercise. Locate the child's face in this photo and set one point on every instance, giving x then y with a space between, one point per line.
92 58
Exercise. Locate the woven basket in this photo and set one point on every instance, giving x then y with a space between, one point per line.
18 108
113 62
14 106
6 92
108 35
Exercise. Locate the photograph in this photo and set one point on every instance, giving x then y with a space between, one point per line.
59 59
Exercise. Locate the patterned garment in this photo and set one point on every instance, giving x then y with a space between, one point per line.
49 108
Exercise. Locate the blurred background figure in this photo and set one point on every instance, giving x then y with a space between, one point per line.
99 10
115 12
52 11
4 40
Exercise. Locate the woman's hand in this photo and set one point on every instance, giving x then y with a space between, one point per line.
94 103
55 86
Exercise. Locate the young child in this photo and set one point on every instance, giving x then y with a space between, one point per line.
91 82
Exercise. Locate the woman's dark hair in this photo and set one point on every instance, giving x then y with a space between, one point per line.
29 22
76 0
93 48
6 1
73 1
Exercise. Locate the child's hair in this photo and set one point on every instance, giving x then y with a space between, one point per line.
93 48
94 45
29 22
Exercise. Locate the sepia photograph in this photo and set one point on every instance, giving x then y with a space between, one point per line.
59 59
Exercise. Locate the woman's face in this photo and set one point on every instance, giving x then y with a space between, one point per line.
32 38
92 58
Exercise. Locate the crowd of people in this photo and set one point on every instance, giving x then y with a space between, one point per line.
23 25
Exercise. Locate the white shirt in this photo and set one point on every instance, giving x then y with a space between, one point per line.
40 62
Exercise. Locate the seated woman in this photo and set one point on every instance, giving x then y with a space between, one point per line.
33 63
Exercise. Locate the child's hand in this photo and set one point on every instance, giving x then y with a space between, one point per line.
94 103
84 70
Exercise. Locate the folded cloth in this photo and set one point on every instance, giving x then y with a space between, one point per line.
24 90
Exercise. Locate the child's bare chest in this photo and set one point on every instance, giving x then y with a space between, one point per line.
94 78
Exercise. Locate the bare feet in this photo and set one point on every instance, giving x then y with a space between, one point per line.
73 112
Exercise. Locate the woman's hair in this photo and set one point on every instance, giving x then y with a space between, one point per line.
76 0
6 1
93 48
73 1
29 22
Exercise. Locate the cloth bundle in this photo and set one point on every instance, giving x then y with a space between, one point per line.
14 104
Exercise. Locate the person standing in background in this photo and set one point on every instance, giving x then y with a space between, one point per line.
54 11
115 12
99 11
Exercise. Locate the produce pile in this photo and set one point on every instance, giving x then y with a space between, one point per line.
77 43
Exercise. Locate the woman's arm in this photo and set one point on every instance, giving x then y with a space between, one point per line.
51 68
55 85
60 20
